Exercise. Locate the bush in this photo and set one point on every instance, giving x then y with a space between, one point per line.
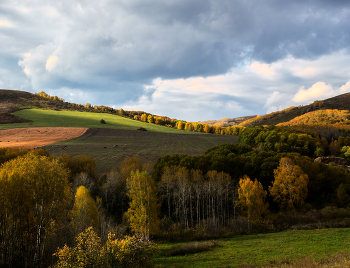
128 252
102 121
331 212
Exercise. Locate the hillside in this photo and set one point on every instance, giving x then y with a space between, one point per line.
330 117
52 118
225 122
11 101
340 102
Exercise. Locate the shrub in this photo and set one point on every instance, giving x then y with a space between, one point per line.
128 252
331 212
102 121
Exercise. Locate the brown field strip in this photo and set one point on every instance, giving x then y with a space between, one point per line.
37 137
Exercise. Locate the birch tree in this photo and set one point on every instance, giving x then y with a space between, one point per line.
290 185
34 195
84 213
251 199
143 213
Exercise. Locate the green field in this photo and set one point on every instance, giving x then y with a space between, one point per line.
265 249
51 118
111 143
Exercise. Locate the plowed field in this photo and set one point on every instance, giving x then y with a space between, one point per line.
110 147
37 137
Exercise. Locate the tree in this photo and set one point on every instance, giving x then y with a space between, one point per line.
121 112
143 213
79 164
89 252
144 117
167 184
130 164
290 185
34 197
150 119
180 125
206 128
251 198
84 213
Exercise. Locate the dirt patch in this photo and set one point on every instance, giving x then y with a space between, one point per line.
37 137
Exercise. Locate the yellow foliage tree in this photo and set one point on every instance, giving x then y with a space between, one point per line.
180 125
290 185
150 119
251 199
143 213
144 117
34 196
206 128
85 212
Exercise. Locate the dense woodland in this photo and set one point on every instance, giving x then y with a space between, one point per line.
53 207
56 211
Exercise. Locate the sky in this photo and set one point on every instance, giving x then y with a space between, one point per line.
193 60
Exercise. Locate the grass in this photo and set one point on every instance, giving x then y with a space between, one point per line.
52 118
264 249
111 147
190 248
118 139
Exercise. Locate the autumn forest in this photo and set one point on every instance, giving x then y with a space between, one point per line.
58 211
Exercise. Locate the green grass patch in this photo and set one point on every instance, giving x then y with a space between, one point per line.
52 118
263 249
190 248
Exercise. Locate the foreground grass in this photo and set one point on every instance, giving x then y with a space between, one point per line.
274 249
51 118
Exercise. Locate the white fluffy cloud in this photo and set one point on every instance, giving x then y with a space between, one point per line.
345 88
320 90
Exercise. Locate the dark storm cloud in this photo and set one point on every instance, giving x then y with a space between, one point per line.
118 47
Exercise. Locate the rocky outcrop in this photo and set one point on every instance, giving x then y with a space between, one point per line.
339 161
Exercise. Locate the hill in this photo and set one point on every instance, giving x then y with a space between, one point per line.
53 118
329 116
226 122
340 102
108 143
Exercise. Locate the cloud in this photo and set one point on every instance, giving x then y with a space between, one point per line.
114 51
4 23
262 69
51 62
275 102
345 88
320 90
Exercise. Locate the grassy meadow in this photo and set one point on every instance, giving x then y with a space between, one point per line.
119 139
52 118
257 250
